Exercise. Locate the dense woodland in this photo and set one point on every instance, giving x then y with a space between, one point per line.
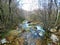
11 16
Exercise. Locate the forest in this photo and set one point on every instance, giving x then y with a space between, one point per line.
12 17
